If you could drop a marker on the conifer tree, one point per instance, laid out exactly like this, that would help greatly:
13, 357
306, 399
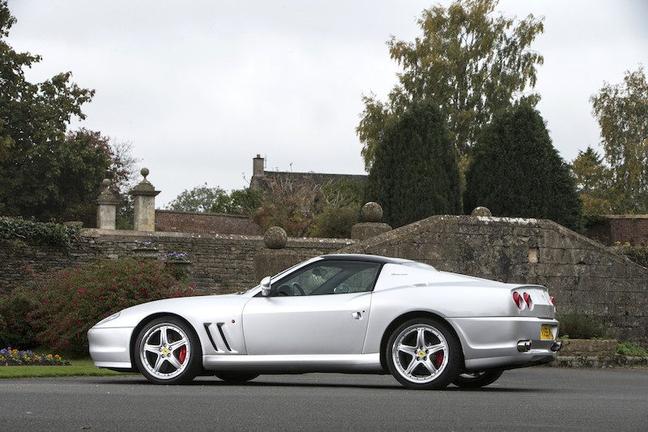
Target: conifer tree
415, 172
517, 172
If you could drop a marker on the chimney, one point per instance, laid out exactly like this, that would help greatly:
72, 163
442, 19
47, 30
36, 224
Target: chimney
258, 169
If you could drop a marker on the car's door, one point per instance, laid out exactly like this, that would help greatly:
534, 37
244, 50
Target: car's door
322, 308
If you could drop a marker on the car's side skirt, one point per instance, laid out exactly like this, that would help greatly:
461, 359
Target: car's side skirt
295, 363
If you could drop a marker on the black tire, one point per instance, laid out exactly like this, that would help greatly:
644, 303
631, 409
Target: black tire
474, 380
191, 364
437, 334
236, 378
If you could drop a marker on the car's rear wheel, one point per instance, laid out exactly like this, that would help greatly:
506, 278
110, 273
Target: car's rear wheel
477, 379
423, 353
236, 378
168, 351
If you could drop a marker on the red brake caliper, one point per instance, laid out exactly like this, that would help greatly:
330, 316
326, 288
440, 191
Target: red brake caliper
438, 359
182, 353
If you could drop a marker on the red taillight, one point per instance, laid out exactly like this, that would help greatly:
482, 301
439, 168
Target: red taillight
517, 299
553, 300
528, 300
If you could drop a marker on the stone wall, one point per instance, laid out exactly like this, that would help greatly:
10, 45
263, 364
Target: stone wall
216, 263
611, 229
582, 274
208, 223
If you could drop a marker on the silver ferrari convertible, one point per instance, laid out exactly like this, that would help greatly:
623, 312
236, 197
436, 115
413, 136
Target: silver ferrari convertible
339, 313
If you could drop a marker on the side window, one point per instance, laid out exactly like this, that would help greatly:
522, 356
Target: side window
329, 277
359, 282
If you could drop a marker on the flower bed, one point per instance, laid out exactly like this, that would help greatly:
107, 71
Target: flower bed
13, 357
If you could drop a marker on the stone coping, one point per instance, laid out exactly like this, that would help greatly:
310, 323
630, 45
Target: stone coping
594, 353
596, 347
599, 361
294, 241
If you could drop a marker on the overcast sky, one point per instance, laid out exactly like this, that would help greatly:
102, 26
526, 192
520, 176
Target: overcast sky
201, 86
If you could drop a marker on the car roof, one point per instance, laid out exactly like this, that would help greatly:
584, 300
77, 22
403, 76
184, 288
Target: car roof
365, 258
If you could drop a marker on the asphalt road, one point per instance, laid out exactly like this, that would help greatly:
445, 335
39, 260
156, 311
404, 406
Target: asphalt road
525, 399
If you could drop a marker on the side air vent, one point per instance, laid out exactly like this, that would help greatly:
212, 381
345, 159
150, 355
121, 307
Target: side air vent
217, 337
209, 335
220, 330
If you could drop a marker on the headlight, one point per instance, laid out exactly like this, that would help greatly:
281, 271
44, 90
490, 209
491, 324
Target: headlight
110, 318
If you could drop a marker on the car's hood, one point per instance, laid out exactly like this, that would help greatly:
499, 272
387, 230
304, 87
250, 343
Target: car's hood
184, 301
184, 306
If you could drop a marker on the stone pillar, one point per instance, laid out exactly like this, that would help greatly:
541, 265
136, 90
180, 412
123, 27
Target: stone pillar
370, 222
107, 206
274, 258
144, 194
258, 169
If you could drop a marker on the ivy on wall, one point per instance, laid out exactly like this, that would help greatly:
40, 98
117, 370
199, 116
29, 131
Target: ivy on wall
43, 233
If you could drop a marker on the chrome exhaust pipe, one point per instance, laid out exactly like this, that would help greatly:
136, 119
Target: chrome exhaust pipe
524, 345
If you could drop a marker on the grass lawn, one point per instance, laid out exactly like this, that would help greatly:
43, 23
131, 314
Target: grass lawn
82, 367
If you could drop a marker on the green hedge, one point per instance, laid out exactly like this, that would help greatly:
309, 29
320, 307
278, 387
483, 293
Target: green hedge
335, 222
15, 329
37, 232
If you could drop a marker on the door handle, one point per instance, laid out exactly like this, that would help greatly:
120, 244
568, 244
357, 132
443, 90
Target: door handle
356, 315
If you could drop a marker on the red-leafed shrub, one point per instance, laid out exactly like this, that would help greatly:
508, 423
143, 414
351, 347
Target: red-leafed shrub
71, 301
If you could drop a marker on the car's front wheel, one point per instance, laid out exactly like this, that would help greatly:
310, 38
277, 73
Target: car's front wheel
477, 379
168, 351
423, 353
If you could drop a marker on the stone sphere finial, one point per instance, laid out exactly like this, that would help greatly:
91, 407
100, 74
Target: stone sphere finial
371, 212
275, 238
144, 172
105, 182
481, 211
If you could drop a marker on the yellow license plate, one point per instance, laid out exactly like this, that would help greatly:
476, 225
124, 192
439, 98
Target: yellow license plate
546, 333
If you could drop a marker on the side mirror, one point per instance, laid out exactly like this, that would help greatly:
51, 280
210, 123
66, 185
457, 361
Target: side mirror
265, 286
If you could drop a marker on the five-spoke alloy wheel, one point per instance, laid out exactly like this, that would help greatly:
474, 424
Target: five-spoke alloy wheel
423, 353
168, 351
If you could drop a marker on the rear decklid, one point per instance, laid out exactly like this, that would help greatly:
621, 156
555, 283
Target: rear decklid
535, 299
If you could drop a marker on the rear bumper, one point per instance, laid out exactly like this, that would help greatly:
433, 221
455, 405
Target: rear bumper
109, 347
492, 342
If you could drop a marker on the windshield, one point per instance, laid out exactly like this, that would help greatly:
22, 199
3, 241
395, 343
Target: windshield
281, 273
